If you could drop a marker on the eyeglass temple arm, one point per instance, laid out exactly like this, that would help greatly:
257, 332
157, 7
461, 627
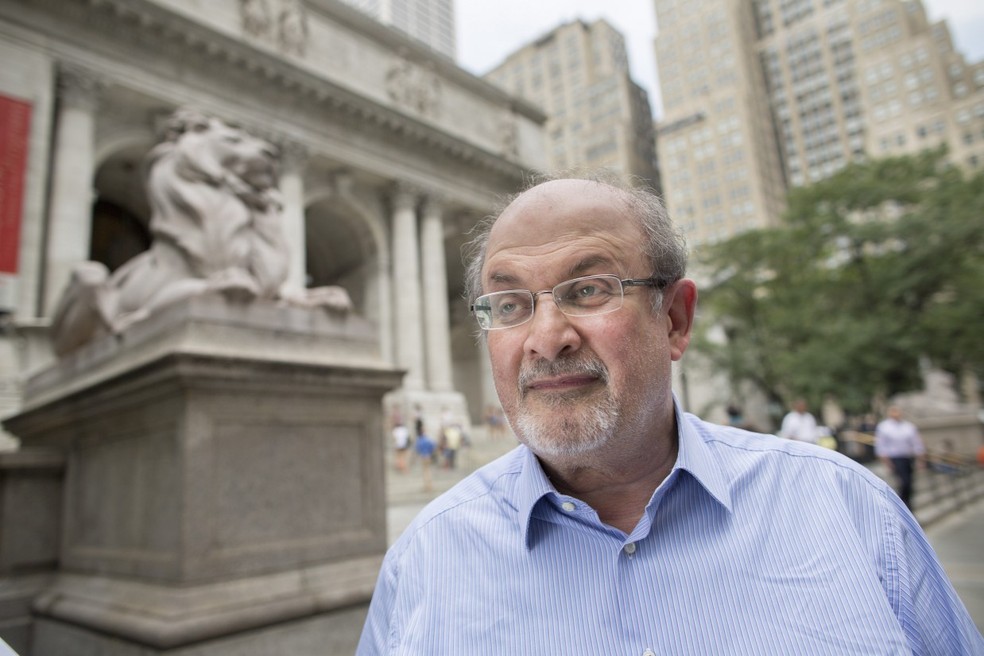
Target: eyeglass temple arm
647, 282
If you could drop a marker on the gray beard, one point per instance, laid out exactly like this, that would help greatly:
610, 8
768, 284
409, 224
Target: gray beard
579, 425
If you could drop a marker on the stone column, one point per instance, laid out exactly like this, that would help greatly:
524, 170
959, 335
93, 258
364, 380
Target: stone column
293, 157
70, 217
435, 283
408, 326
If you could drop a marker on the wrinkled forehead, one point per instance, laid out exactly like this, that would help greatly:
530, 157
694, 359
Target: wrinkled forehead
560, 210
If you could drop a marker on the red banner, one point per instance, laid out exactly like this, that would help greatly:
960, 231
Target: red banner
15, 123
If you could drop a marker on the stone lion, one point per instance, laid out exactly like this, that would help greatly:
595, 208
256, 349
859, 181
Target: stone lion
216, 227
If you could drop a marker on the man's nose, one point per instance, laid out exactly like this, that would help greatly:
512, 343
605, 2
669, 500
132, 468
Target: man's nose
551, 333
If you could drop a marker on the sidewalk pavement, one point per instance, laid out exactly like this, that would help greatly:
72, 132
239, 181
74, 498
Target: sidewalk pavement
959, 543
954, 522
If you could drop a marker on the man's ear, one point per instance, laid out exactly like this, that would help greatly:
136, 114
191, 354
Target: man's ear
680, 302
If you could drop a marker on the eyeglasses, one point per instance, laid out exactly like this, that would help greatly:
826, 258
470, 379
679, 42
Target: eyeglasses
580, 297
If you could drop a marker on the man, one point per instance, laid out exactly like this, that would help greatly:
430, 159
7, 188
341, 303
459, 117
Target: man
899, 446
799, 424
621, 525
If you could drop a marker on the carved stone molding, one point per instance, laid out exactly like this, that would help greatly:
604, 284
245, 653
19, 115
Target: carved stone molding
434, 204
166, 33
292, 28
282, 23
294, 155
405, 196
508, 136
413, 86
79, 87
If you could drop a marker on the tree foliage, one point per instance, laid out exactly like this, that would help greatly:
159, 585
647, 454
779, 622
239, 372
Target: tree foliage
870, 270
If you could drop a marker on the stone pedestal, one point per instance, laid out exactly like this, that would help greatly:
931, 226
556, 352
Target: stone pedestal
224, 474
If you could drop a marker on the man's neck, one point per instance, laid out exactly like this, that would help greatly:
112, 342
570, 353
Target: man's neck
618, 485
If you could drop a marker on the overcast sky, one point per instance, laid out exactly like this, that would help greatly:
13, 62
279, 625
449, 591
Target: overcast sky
488, 30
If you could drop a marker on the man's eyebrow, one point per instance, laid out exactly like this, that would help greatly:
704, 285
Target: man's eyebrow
506, 278
585, 265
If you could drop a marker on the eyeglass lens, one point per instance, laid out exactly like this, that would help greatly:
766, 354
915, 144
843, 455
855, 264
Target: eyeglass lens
583, 296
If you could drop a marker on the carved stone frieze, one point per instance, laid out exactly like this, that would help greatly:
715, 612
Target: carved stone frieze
79, 87
282, 23
508, 137
415, 87
294, 155
405, 196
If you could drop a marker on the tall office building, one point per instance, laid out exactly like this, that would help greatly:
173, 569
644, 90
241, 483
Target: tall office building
764, 95
428, 21
597, 116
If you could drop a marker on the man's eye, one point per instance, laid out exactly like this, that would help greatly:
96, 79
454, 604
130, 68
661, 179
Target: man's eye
506, 308
509, 305
586, 291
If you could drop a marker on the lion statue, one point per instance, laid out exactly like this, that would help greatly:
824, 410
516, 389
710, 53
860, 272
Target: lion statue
216, 227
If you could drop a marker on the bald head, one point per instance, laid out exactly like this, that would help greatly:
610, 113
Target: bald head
557, 209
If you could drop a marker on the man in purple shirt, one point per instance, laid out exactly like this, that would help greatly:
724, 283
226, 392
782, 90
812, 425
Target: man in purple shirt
898, 444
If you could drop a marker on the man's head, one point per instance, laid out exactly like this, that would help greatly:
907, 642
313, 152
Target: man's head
894, 412
799, 405
569, 384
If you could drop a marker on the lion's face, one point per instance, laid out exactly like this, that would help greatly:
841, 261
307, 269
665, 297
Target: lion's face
220, 150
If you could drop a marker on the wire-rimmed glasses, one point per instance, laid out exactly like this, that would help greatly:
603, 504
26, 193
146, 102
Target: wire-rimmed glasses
581, 297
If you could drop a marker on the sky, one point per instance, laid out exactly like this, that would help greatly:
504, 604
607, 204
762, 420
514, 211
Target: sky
488, 30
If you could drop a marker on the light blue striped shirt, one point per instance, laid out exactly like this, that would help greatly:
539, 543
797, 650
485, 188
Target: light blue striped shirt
752, 545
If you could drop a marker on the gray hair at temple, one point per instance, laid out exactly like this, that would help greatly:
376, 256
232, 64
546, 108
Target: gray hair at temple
664, 246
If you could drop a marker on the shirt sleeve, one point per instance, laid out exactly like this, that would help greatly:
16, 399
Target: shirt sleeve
928, 609
378, 627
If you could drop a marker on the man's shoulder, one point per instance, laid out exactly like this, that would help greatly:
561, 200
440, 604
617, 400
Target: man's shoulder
737, 446
485, 488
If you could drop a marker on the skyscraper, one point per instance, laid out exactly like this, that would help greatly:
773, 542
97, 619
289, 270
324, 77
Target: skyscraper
765, 95
428, 21
578, 74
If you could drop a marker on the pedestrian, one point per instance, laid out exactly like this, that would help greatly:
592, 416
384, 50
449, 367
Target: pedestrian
900, 448
424, 447
452, 443
799, 424
418, 419
493, 422
401, 446
621, 524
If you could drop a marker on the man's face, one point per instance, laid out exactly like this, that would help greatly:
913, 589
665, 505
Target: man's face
568, 385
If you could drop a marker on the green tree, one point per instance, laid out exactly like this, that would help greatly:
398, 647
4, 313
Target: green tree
869, 271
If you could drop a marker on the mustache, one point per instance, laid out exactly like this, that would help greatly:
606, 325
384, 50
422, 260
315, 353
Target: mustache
565, 367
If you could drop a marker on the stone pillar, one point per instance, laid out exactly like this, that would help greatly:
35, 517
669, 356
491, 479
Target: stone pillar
408, 326
70, 217
294, 157
435, 284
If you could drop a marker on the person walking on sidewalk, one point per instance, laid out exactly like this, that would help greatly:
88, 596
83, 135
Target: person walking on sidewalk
900, 448
799, 424
425, 447
622, 524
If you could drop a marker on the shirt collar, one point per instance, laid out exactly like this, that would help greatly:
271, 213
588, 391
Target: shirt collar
697, 459
693, 456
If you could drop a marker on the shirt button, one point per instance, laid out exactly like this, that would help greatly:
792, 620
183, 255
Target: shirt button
630, 549
649, 652
568, 506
